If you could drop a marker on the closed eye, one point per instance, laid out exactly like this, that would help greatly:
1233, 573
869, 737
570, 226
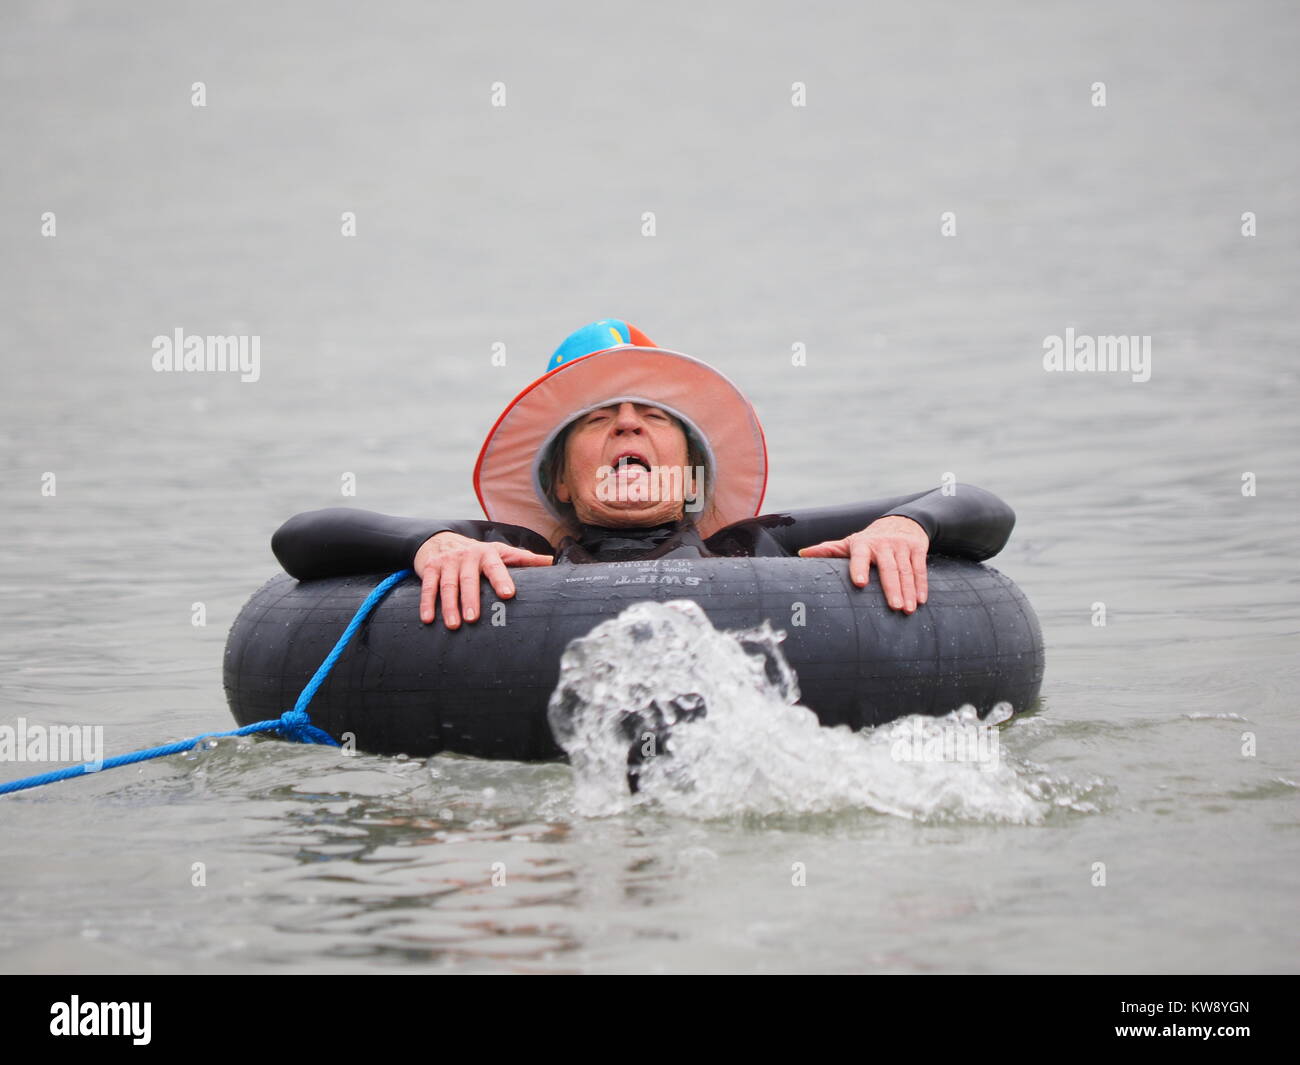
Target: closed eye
600, 415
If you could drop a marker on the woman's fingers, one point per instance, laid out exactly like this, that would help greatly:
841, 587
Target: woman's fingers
448, 589
859, 561
429, 592
918, 568
826, 549
519, 556
471, 570
900, 560
496, 558
906, 580
495, 571
887, 567
454, 577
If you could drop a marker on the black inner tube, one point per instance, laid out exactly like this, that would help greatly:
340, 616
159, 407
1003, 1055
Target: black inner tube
402, 687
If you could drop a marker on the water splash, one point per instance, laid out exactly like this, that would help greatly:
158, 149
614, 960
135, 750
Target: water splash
656, 706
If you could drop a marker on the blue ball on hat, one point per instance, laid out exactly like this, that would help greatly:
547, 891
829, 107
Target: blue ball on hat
607, 333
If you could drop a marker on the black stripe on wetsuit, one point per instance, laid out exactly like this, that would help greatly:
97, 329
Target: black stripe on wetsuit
343, 541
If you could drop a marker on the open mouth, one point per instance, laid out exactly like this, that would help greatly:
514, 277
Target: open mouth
631, 461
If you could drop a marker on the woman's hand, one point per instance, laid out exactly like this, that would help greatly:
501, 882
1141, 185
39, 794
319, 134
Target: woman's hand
453, 564
897, 545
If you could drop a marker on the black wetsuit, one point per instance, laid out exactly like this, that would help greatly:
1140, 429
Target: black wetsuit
343, 541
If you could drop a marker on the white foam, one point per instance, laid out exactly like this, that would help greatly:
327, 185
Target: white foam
754, 749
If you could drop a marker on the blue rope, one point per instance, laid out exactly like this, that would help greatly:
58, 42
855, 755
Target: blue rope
293, 724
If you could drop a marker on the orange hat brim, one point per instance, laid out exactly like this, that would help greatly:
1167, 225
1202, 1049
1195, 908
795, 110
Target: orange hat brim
507, 474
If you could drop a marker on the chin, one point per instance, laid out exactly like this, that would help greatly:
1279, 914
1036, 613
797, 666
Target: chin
629, 516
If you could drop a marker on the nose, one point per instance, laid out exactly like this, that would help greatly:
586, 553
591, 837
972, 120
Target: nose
628, 417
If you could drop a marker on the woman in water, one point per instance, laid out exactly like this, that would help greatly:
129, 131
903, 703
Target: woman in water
621, 451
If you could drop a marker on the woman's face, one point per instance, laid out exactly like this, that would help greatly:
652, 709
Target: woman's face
624, 466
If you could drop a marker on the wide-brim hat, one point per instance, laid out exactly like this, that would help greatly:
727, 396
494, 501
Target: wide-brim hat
508, 474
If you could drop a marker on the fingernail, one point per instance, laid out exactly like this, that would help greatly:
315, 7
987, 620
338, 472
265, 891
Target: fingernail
470, 615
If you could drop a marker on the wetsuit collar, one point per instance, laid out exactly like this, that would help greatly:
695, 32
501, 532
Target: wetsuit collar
598, 543
593, 535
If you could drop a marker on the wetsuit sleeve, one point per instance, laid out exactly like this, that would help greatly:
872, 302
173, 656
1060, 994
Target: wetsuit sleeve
969, 523
345, 541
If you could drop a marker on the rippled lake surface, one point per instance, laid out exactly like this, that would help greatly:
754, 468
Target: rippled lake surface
1165, 744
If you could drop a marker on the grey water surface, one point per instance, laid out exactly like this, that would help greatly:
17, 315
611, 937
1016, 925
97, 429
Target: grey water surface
1164, 752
